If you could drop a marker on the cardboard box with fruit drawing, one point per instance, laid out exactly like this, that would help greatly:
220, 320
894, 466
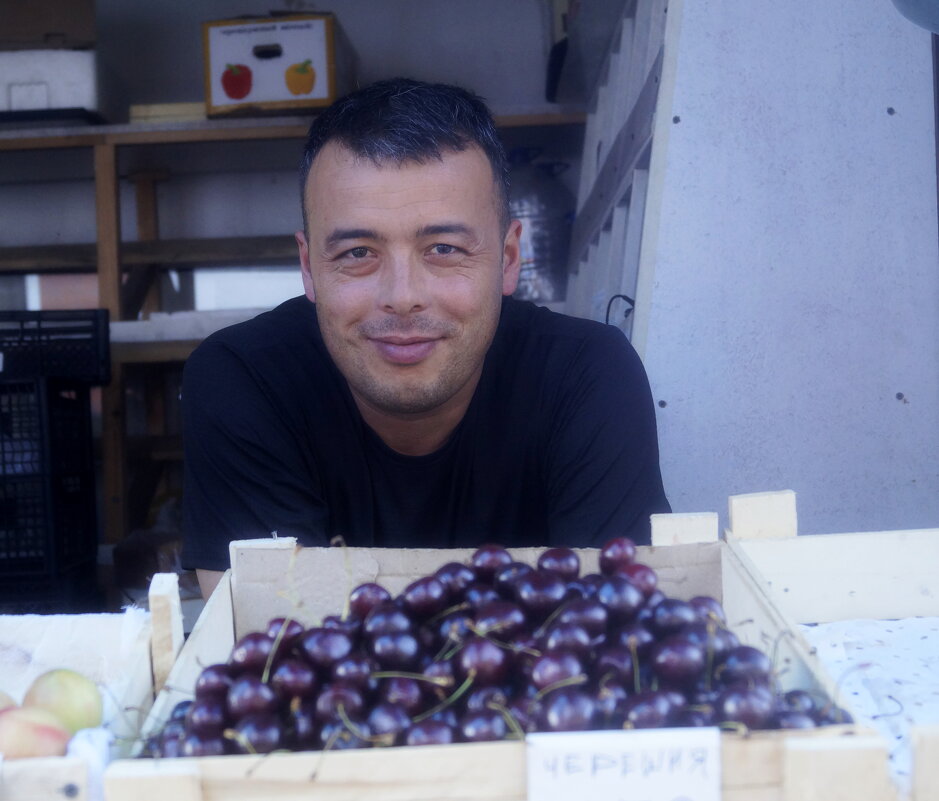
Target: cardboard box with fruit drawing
122, 658
271, 578
275, 64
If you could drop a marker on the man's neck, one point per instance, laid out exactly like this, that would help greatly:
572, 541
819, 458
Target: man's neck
420, 433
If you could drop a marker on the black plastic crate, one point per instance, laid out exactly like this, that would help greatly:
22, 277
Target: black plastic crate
56, 344
48, 519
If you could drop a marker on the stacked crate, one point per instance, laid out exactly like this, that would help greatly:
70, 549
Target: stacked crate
48, 520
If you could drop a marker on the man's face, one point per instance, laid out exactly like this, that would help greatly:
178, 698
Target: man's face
407, 264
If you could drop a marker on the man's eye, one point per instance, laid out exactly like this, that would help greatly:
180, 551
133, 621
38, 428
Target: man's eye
358, 253
443, 250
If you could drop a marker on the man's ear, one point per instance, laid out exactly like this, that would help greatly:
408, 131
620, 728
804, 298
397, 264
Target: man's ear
511, 257
305, 270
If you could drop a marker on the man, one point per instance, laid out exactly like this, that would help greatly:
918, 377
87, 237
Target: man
406, 400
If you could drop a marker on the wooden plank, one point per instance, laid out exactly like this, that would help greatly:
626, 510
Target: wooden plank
683, 529
46, 139
613, 178
925, 763
763, 515
47, 779
166, 618
152, 352
209, 642
879, 575
204, 252
837, 769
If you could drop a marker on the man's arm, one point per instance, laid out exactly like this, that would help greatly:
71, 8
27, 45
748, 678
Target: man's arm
604, 478
246, 475
208, 581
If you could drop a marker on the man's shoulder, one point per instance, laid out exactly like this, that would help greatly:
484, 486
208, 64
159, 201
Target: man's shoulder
527, 325
291, 318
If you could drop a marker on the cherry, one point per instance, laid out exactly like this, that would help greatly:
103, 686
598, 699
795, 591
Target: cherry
562, 561
502, 619
386, 618
214, 681
539, 594
456, 577
751, 706
257, 734
388, 721
477, 594
194, 745
251, 653
621, 598
744, 664
293, 677
506, 577
398, 650
482, 726
338, 695
646, 710
549, 669
337, 736
425, 597
430, 732
356, 669
364, 598
206, 717
671, 615
567, 709
324, 647
571, 637
709, 609
487, 559
179, 711
403, 691
617, 553
643, 576
482, 660
586, 612
248, 695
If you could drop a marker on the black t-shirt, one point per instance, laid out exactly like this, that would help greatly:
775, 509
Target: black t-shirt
558, 445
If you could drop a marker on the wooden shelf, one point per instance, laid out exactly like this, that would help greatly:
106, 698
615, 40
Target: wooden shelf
164, 252
216, 131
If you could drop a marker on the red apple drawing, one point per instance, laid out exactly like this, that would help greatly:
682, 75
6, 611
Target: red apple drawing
236, 81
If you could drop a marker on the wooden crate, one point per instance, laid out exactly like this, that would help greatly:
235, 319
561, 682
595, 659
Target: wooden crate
824, 578
144, 663
274, 577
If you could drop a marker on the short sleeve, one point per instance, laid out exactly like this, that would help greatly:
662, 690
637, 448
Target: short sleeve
603, 469
246, 473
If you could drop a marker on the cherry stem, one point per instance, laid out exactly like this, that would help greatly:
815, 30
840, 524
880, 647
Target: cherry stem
278, 639
634, 650
448, 611
504, 645
440, 681
238, 737
450, 699
570, 681
711, 628
550, 619
509, 718
376, 739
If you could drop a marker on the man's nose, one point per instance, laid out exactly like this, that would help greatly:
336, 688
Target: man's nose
404, 284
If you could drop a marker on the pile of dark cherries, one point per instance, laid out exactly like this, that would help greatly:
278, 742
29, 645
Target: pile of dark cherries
488, 650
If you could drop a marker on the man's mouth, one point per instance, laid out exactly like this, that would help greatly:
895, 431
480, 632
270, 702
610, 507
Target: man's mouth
404, 350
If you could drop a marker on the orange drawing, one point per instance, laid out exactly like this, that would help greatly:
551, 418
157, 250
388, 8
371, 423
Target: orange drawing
300, 78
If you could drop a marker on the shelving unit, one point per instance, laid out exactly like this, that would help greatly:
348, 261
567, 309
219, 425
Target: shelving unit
126, 271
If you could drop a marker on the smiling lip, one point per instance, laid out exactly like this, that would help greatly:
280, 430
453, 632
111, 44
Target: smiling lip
404, 350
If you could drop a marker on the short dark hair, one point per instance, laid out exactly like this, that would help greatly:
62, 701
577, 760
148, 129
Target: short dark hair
403, 120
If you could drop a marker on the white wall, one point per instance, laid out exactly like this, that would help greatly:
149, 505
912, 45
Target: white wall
791, 286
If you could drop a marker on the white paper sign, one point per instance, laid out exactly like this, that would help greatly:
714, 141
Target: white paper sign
638, 765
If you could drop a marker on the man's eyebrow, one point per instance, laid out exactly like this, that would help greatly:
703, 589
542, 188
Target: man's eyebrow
344, 234
445, 228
